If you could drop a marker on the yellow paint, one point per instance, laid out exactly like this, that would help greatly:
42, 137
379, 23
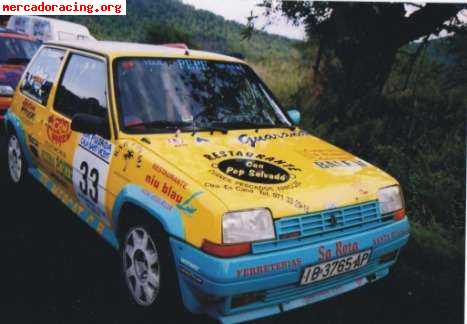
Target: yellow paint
314, 175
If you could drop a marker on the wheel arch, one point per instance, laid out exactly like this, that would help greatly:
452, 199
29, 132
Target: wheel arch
133, 198
13, 124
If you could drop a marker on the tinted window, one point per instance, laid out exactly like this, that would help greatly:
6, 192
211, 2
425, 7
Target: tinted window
16, 50
41, 30
41, 75
161, 93
83, 88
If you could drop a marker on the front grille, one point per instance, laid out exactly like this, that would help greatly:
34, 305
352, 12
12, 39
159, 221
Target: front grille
331, 223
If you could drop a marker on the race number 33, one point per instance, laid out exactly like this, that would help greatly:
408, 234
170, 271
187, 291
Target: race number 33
90, 171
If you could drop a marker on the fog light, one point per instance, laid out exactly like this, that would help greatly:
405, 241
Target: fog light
388, 257
249, 298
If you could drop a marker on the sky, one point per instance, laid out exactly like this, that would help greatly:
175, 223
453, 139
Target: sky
239, 10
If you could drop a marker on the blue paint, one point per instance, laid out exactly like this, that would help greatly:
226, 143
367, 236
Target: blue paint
221, 276
186, 206
171, 219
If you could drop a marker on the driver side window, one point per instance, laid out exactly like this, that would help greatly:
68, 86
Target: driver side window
83, 88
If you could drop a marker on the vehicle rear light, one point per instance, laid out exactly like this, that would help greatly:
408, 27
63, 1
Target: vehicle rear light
226, 250
399, 215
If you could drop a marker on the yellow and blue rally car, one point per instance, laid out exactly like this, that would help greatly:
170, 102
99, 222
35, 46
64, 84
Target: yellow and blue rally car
186, 163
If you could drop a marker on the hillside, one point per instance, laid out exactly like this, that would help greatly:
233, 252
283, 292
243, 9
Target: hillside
212, 32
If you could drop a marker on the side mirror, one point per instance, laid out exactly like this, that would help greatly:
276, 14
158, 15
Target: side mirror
294, 116
90, 124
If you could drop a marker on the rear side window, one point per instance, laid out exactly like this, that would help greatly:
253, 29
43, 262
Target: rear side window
41, 75
83, 88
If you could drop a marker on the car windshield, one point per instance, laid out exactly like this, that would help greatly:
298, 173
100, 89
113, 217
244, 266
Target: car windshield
17, 50
185, 94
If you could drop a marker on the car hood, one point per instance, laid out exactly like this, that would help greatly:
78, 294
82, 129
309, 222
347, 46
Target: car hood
10, 74
288, 171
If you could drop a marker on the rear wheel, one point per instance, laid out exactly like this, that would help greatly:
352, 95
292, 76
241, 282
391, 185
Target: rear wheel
148, 267
15, 162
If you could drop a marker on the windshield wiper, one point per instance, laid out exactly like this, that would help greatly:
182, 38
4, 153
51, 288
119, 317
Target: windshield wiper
160, 124
210, 128
213, 129
256, 126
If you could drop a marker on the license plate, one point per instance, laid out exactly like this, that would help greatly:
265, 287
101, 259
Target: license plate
334, 267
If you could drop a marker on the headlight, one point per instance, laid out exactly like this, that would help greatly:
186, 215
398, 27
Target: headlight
6, 91
247, 226
390, 199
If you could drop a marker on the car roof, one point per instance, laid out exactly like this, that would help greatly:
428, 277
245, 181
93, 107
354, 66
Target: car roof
5, 32
122, 49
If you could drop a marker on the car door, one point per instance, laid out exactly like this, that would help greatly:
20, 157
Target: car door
33, 104
86, 160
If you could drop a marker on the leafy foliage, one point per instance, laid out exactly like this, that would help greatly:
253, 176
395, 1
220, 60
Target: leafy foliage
205, 29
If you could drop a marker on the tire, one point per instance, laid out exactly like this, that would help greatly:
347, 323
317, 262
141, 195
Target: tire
15, 163
148, 269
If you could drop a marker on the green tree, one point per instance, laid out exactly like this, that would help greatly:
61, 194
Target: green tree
157, 33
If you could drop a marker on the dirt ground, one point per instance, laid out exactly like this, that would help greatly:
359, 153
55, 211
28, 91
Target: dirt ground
55, 269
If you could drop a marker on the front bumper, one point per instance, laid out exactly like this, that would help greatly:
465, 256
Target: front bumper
210, 284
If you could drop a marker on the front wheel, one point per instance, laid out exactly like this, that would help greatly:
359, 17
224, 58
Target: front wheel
148, 268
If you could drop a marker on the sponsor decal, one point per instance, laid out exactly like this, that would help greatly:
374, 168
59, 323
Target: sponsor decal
201, 140
131, 153
340, 164
58, 130
48, 158
341, 249
214, 156
176, 140
252, 140
33, 140
73, 204
255, 171
286, 265
327, 154
333, 158
157, 200
160, 170
97, 146
190, 275
253, 167
28, 110
64, 169
189, 264
386, 237
273, 193
166, 189
187, 207
91, 163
